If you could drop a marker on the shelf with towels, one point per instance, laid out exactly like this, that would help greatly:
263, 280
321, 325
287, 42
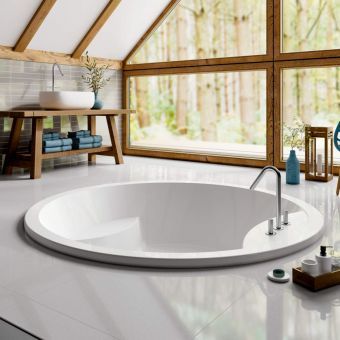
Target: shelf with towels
33, 160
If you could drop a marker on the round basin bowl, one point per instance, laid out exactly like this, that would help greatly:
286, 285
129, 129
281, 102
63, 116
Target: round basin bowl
170, 224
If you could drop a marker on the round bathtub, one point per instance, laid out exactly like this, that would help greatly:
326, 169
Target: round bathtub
170, 224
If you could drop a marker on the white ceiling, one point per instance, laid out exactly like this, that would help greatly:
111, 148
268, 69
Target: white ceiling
65, 25
69, 20
125, 27
14, 16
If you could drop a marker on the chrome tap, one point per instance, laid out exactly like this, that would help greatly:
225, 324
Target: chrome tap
61, 72
278, 190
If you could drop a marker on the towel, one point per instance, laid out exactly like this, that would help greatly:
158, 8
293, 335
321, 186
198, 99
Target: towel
57, 142
51, 135
80, 133
87, 146
87, 140
57, 149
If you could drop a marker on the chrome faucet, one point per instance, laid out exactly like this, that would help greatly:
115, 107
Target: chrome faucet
278, 190
61, 72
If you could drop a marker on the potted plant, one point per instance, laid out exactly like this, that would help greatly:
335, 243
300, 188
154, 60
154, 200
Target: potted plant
95, 78
294, 137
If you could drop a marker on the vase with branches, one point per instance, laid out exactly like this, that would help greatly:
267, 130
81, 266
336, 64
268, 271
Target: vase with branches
95, 78
294, 137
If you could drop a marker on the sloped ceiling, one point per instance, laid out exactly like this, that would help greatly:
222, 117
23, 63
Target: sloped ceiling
125, 27
14, 16
66, 24
69, 20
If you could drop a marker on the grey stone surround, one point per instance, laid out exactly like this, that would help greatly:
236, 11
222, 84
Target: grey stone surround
20, 83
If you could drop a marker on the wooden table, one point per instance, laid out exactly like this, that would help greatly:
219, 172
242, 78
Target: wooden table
33, 160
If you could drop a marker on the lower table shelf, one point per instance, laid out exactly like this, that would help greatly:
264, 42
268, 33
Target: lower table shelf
101, 150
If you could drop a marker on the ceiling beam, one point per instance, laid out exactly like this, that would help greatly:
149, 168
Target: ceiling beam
53, 57
97, 25
167, 10
34, 24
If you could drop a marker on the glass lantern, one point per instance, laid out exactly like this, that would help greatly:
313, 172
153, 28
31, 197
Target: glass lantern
319, 153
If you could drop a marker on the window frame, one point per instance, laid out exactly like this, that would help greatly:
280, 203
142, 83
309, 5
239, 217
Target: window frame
278, 69
282, 56
273, 62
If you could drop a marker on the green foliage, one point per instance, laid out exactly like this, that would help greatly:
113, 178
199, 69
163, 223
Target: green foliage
95, 77
194, 123
294, 136
163, 109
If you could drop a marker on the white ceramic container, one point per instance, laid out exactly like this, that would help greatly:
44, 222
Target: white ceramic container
170, 224
66, 100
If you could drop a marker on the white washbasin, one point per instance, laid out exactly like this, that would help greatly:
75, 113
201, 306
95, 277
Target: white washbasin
66, 100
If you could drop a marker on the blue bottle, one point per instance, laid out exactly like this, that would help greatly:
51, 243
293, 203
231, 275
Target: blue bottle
292, 169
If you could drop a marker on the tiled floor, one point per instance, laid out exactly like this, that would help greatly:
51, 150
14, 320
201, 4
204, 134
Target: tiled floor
59, 297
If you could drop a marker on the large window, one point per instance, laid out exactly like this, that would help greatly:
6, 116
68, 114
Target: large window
311, 95
199, 29
218, 113
223, 78
310, 25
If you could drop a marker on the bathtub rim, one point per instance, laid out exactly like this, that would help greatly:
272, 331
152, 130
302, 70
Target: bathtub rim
35, 230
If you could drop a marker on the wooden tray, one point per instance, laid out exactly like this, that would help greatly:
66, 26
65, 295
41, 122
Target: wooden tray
318, 282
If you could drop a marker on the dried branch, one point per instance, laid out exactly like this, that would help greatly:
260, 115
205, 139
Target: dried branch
95, 77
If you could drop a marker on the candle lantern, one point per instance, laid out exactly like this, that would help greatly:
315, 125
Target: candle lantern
319, 153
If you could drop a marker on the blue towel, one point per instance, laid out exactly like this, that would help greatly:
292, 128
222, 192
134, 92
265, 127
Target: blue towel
87, 140
51, 135
57, 149
57, 142
80, 133
87, 146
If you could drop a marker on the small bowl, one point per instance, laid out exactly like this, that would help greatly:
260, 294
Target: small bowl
278, 273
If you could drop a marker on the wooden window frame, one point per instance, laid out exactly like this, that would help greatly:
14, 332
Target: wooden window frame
268, 56
279, 66
281, 56
273, 62
198, 156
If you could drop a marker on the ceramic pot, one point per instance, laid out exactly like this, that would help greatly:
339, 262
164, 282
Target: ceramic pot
98, 104
292, 169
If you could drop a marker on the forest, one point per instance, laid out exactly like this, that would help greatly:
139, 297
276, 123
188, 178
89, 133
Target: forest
225, 112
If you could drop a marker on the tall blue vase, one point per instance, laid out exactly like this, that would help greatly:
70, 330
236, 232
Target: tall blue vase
98, 104
292, 169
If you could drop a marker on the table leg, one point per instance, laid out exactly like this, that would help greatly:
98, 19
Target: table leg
91, 125
338, 186
111, 124
13, 144
36, 154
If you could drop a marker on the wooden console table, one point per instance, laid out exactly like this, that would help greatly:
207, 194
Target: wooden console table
33, 160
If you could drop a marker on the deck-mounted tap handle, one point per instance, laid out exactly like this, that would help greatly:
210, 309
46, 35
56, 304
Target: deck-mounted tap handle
285, 217
270, 227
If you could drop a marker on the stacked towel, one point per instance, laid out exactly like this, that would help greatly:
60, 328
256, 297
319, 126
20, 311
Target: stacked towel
57, 148
87, 146
51, 135
52, 142
80, 133
83, 140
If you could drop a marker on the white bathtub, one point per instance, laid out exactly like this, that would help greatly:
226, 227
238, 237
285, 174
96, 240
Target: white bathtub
174, 225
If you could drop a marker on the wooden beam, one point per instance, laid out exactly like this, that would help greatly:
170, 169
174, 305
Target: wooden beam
53, 57
97, 25
167, 10
34, 24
